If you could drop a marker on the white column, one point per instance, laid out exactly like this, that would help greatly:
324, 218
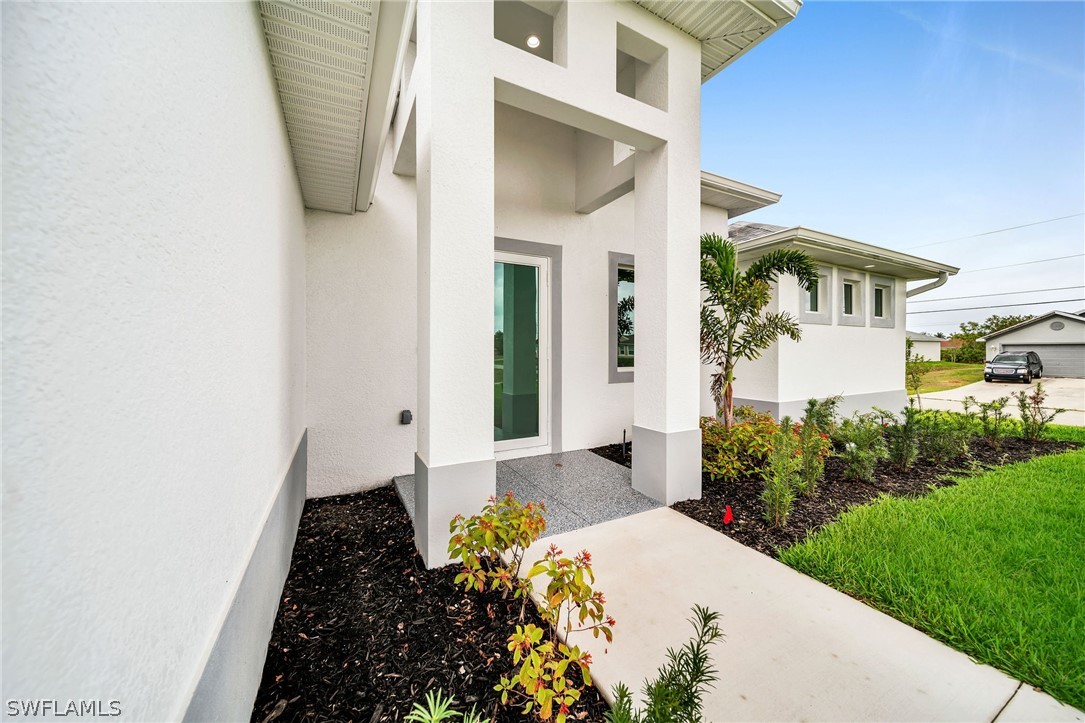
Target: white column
454, 465
666, 428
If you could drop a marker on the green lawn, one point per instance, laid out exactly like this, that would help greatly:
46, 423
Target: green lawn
949, 375
994, 566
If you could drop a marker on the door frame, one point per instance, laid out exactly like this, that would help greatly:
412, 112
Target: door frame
552, 254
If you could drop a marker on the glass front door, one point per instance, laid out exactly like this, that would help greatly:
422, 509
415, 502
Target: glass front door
521, 351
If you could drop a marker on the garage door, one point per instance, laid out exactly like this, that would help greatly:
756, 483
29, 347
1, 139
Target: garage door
1060, 360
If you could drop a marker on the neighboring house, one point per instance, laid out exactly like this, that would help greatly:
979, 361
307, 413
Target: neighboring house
852, 323
1058, 337
199, 330
925, 345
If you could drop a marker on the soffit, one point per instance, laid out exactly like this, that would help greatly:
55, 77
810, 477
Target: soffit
726, 28
321, 57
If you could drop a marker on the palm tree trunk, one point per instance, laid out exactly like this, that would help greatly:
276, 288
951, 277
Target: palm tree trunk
728, 403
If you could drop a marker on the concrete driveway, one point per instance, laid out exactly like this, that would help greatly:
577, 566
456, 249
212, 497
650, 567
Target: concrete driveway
1062, 393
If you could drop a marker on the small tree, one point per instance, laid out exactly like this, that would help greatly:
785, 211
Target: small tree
733, 323
915, 368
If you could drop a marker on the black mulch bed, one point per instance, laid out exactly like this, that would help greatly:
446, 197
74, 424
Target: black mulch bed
834, 494
364, 630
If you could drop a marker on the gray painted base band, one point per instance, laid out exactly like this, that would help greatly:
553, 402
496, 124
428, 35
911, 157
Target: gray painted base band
667, 465
441, 493
894, 401
231, 678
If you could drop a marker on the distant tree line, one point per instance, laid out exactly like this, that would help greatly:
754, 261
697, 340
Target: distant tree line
972, 351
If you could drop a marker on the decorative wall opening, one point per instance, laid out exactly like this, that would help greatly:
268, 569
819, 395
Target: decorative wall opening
640, 69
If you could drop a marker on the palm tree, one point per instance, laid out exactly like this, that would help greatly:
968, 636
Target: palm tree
733, 325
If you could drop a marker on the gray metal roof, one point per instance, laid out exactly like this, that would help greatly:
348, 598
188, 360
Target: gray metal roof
920, 336
742, 231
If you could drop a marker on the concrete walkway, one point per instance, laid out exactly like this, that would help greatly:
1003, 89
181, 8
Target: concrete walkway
1062, 393
795, 649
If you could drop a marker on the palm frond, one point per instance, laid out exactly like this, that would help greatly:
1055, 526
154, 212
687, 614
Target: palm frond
781, 262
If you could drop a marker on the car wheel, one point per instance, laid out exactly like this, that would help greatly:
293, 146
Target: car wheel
1040, 373
987, 379
1028, 378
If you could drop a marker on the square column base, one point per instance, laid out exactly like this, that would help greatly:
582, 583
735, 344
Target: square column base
441, 493
667, 465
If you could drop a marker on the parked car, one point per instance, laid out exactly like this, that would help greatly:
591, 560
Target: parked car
1019, 366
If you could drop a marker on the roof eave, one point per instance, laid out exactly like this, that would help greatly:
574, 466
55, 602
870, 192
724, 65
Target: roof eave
817, 239
1048, 315
738, 197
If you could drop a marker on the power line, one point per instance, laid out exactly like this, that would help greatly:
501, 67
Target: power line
1000, 230
1003, 293
1023, 263
996, 306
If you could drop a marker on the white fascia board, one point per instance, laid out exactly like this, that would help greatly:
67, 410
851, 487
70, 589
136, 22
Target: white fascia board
818, 240
392, 35
741, 197
1030, 322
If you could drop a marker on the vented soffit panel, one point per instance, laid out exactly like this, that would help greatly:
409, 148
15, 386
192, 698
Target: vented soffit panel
321, 56
726, 28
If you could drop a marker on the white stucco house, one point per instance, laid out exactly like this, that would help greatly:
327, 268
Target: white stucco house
240, 240
927, 346
852, 323
1058, 337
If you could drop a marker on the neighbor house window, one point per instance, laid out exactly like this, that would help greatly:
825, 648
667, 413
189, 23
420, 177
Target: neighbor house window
622, 329
815, 303
851, 300
882, 302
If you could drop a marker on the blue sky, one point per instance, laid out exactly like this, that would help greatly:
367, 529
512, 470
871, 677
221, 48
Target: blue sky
905, 124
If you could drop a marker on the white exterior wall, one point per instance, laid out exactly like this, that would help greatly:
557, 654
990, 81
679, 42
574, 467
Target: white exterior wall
153, 342
535, 188
929, 350
1073, 332
865, 363
362, 343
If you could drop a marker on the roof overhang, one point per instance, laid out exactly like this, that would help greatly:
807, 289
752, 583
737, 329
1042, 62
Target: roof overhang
727, 29
735, 197
1051, 314
336, 65
841, 251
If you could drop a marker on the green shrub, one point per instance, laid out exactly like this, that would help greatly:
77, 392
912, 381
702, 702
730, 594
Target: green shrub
994, 421
783, 466
438, 709
675, 696
1034, 417
738, 452
901, 436
504, 526
814, 446
943, 436
543, 680
822, 414
861, 445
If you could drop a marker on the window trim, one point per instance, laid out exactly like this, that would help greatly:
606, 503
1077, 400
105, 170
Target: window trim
616, 374
858, 315
824, 314
889, 301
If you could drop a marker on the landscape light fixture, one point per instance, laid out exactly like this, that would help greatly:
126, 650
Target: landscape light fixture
533, 41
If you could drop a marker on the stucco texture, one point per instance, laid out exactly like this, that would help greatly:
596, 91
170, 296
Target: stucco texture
153, 329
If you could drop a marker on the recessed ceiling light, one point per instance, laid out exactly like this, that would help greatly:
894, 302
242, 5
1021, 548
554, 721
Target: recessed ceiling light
869, 266
533, 41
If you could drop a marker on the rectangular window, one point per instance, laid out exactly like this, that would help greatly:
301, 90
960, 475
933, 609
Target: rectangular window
625, 300
882, 296
622, 329
849, 298
879, 302
812, 298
